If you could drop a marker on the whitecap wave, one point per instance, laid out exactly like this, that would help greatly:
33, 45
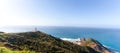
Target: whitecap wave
117, 52
78, 39
110, 48
71, 39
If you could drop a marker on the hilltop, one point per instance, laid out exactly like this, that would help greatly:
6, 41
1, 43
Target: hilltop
41, 42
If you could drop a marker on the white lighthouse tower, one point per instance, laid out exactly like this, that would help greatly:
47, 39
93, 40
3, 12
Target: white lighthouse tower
35, 29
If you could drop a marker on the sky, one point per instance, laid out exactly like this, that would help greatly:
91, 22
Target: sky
80, 13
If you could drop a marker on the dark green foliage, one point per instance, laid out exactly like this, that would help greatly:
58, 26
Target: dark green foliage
41, 42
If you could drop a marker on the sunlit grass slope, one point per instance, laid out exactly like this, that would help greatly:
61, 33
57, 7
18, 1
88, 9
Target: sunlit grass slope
6, 50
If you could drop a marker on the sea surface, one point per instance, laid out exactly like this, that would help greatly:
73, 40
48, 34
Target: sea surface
106, 36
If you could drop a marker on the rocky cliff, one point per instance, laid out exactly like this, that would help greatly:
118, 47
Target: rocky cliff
93, 44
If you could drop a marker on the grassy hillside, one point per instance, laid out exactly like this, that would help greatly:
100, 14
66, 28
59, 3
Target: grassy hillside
40, 42
6, 50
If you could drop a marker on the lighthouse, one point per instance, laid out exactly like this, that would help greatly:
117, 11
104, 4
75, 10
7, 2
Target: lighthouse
35, 29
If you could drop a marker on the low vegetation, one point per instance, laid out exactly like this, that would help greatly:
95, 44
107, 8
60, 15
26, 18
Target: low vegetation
6, 50
40, 43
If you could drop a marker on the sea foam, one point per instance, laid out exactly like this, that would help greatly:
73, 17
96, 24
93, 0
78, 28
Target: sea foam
78, 39
70, 39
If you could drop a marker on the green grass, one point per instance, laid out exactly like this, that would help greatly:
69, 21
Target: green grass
5, 50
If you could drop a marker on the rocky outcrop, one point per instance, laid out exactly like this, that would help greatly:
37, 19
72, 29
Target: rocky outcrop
93, 44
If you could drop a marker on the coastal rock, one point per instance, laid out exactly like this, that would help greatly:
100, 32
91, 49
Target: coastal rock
93, 44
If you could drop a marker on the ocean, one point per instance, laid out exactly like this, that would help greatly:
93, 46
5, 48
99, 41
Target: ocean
106, 36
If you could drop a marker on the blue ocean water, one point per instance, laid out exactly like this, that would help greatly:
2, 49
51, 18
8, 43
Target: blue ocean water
108, 37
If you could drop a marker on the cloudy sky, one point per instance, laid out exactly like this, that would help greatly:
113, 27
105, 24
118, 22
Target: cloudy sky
80, 13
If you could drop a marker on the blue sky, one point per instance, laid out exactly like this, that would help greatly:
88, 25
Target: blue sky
80, 13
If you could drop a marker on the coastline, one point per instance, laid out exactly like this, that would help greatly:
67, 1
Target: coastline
78, 39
